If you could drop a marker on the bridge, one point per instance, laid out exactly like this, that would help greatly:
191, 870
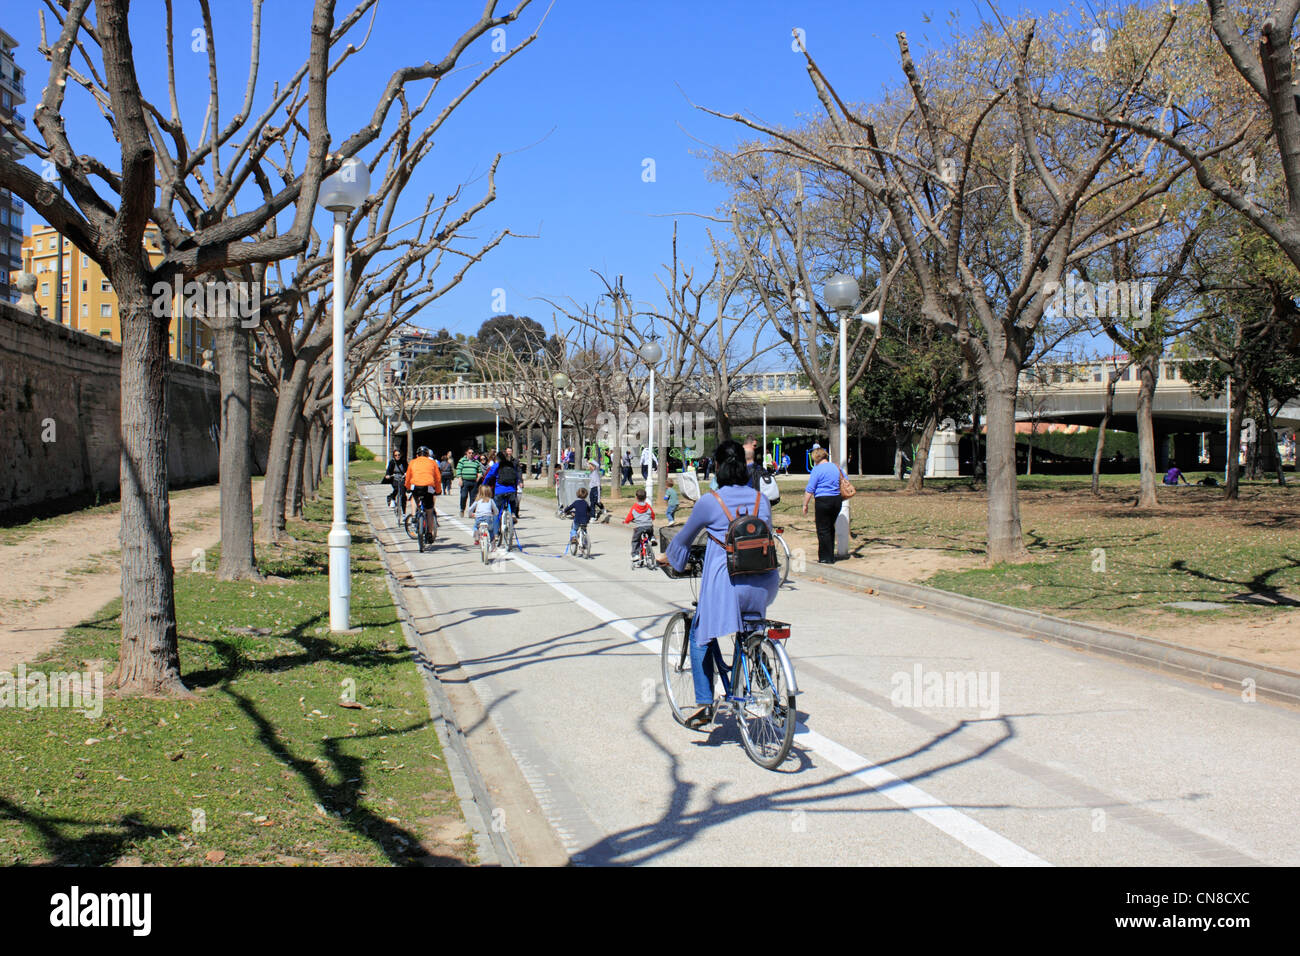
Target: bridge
457, 411
1067, 394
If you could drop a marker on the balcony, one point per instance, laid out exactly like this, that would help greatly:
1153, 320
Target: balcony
15, 86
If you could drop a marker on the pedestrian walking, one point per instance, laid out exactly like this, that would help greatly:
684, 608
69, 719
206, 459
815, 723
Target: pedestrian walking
824, 490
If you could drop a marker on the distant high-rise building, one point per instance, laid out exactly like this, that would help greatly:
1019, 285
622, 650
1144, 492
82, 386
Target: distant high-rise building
12, 95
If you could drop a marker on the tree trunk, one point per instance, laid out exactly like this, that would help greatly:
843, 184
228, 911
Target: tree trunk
288, 409
1111, 381
149, 658
323, 432
238, 560
1270, 438
1005, 537
917, 481
1146, 371
297, 476
1234, 448
900, 452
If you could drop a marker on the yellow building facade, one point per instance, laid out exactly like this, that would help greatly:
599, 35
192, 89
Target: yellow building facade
89, 301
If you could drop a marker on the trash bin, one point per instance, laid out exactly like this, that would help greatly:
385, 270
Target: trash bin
566, 492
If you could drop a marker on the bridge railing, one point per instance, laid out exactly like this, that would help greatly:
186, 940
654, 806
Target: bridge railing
746, 384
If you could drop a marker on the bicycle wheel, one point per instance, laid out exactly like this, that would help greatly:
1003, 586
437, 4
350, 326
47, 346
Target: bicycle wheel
419, 528
783, 559
433, 526
484, 545
586, 544
766, 714
408, 522
508, 529
675, 663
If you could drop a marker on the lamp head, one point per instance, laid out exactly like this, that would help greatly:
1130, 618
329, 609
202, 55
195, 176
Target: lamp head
347, 188
560, 380
651, 352
842, 292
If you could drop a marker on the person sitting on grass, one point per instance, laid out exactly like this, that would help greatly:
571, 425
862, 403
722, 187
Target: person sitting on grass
673, 500
484, 511
1173, 474
642, 519
581, 512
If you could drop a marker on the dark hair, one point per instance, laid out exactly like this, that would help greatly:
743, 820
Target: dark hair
730, 460
501, 458
640, 494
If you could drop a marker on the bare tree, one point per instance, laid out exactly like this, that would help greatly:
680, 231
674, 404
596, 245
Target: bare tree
991, 199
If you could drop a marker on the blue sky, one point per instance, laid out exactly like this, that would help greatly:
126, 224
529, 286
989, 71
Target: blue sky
602, 89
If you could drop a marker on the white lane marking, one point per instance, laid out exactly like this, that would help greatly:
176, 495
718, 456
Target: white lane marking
970, 833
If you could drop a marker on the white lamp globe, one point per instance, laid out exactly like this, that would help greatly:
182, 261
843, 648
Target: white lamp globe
347, 188
841, 292
651, 352
560, 380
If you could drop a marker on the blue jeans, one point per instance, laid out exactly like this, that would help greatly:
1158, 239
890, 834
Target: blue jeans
703, 661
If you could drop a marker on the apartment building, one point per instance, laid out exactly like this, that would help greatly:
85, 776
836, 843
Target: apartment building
89, 301
12, 95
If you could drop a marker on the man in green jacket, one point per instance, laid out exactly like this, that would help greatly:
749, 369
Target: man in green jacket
469, 471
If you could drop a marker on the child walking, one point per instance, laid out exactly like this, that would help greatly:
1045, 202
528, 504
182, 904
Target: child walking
673, 500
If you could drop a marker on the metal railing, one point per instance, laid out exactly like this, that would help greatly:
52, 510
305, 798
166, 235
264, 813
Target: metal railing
751, 383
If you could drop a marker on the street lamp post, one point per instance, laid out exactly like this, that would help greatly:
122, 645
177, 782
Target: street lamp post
341, 193
561, 382
651, 352
496, 433
762, 400
389, 412
842, 295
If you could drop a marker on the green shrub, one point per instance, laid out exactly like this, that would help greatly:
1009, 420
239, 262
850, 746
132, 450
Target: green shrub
361, 453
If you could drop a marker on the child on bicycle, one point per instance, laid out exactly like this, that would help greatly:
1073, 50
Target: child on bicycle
581, 511
484, 511
642, 519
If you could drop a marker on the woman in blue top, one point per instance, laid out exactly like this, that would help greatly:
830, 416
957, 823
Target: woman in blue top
824, 489
723, 600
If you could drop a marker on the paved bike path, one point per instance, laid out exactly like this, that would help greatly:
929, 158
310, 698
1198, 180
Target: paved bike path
1085, 761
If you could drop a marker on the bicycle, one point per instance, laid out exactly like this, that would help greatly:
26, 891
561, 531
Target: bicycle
483, 539
582, 542
759, 687
420, 533
783, 555
508, 527
645, 555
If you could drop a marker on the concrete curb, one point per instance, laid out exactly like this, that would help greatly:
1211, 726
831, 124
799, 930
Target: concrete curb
493, 848
1272, 682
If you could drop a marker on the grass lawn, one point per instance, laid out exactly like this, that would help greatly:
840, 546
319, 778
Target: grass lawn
1096, 558
298, 747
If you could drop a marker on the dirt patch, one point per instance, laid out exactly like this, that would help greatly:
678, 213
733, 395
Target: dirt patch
61, 577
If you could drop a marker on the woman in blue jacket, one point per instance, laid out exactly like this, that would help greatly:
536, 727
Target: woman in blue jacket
824, 491
724, 600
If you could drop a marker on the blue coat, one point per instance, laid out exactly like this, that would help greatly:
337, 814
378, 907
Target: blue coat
722, 600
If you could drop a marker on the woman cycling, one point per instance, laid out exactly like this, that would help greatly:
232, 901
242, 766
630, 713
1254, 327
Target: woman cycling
724, 600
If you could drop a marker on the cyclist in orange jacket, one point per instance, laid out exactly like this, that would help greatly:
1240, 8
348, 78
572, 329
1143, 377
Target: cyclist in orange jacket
423, 478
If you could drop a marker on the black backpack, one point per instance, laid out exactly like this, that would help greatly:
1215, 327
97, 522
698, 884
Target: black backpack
749, 544
507, 475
